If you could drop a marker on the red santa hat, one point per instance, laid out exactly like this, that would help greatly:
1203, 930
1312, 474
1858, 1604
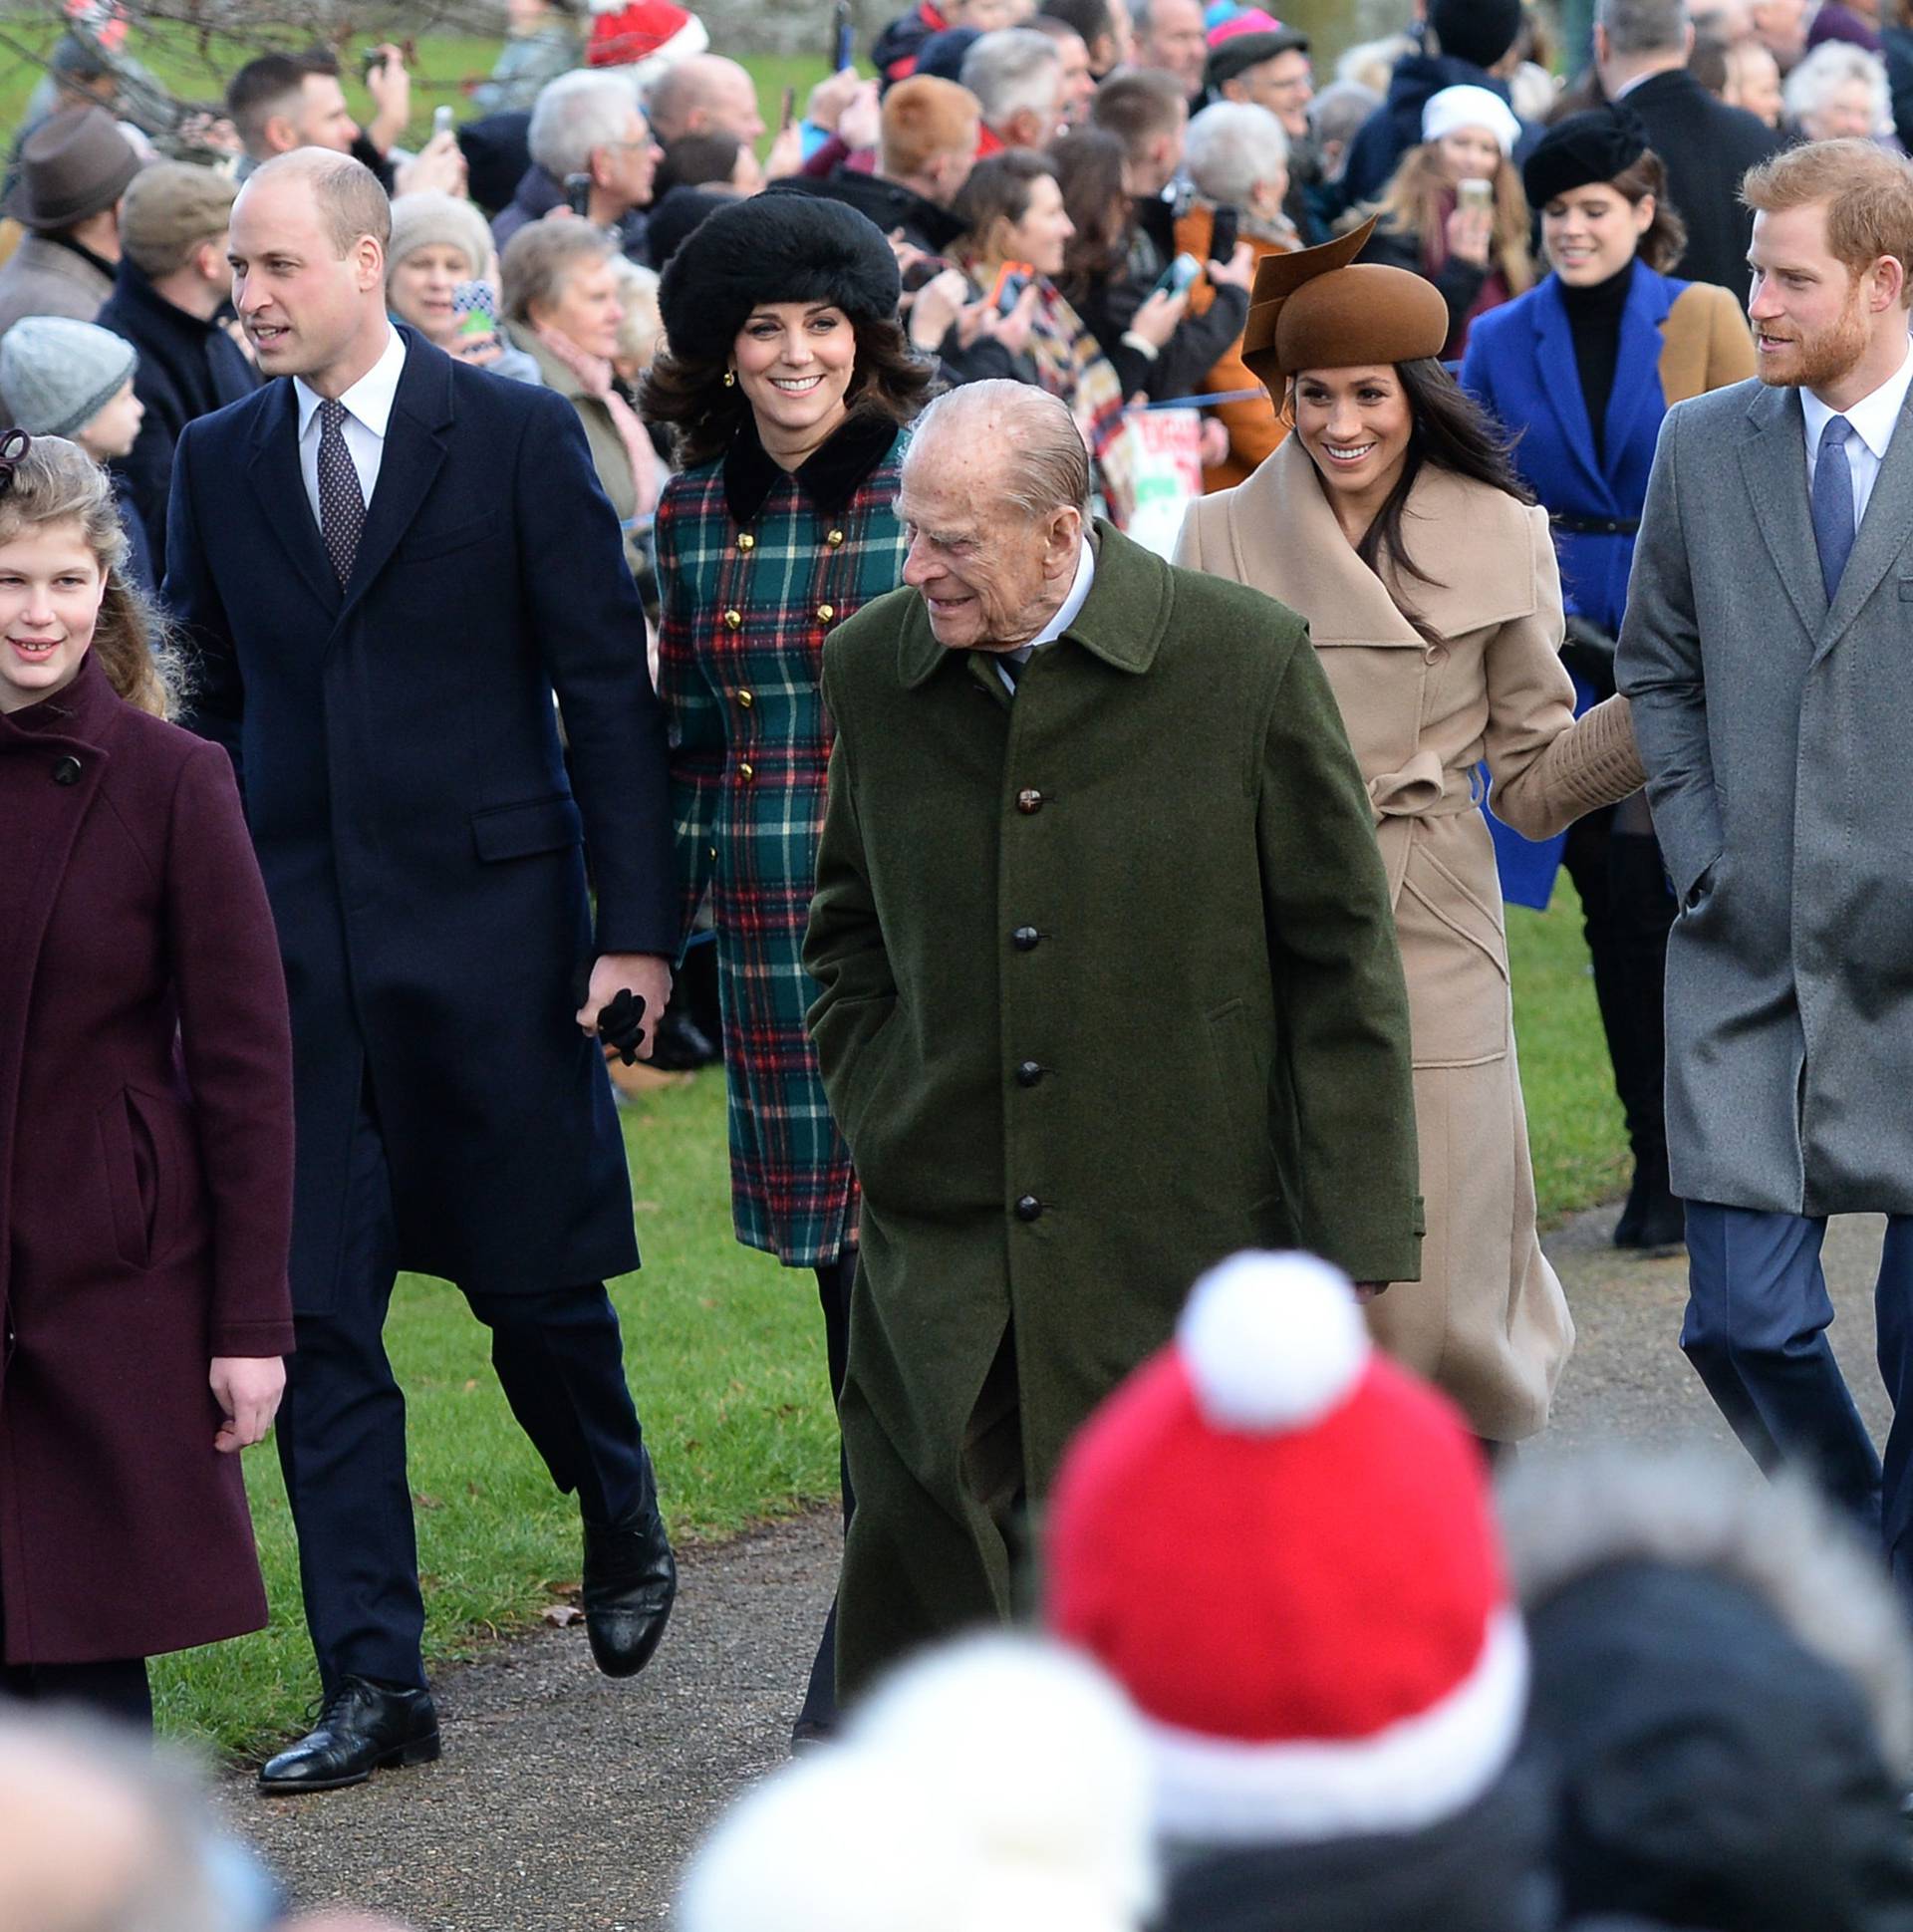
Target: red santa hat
635, 33
1283, 1548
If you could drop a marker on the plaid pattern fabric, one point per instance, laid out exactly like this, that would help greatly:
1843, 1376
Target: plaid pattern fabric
750, 753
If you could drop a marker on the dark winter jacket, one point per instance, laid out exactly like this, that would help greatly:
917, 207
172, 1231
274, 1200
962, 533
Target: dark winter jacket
889, 203
187, 368
1710, 1770
895, 54
1396, 126
1482, 1871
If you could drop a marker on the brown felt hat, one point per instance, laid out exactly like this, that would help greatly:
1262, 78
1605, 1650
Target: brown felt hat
1318, 308
76, 164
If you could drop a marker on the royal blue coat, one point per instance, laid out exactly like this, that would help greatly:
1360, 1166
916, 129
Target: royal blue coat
423, 836
1674, 336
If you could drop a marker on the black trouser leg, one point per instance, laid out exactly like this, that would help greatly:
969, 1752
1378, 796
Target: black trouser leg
115, 1689
561, 1362
834, 1281
342, 1448
1642, 909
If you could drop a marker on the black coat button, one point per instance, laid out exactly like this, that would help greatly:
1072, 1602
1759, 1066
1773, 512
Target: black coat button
1029, 1074
66, 772
1030, 1207
1024, 938
1030, 801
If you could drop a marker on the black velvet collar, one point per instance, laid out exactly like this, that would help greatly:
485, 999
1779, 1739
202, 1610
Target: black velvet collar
829, 478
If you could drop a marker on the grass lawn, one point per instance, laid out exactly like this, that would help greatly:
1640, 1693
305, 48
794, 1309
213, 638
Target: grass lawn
726, 1356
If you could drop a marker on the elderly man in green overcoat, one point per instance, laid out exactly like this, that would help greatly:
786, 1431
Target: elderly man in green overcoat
1110, 990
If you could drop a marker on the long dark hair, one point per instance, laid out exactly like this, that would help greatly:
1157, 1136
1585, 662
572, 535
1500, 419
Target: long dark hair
1089, 170
687, 391
1449, 430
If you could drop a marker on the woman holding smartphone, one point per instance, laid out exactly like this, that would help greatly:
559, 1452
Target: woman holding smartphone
1454, 211
1392, 519
145, 1126
788, 383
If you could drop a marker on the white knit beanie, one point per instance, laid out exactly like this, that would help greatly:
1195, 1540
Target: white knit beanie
56, 375
426, 218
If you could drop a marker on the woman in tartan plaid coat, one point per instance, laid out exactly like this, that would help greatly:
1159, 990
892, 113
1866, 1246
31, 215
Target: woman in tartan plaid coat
789, 381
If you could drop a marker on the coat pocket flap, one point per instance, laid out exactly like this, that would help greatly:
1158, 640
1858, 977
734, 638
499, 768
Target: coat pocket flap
517, 831
436, 540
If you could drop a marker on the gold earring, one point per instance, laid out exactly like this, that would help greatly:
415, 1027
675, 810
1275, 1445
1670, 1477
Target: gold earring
731, 379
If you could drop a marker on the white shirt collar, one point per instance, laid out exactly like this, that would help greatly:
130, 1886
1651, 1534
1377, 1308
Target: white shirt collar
1872, 416
1072, 605
369, 399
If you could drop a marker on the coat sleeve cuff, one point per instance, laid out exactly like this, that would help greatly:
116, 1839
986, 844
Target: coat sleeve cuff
254, 1338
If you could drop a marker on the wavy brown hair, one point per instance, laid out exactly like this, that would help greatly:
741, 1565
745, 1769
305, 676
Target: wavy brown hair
687, 391
56, 481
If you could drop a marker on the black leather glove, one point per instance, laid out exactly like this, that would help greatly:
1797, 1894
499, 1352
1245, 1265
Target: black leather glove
1589, 653
621, 1023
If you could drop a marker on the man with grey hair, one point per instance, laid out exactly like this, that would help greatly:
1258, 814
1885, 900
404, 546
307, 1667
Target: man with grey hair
587, 123
1016, 75
1640, 52
1109, 989
389, 564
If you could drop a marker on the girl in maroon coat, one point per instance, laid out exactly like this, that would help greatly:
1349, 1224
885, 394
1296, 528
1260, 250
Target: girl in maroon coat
145, 1126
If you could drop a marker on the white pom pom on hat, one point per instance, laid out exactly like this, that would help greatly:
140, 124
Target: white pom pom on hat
1272, 1341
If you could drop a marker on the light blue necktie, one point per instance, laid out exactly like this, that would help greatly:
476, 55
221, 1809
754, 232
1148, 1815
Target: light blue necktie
1833, 502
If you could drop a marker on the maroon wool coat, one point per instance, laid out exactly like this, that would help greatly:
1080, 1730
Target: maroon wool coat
145, 1178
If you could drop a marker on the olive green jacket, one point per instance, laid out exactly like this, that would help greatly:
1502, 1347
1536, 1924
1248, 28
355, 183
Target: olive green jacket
1110, 990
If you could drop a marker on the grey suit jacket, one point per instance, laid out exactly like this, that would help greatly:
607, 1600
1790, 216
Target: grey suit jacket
42, 278
1775, 735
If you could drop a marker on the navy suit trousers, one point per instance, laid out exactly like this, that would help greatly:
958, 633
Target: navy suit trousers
1755, 1330
559, 1358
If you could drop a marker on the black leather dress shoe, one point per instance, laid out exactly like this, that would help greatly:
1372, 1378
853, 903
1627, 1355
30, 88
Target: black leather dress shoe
1654, 1220
631, 1582
363, 1726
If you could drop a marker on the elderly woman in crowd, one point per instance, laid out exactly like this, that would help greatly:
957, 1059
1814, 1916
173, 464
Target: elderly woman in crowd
1581, 372
1236, 157
641, 329
1839, 93
1392, 519
1454, 211
439, 246
1017, 230
787, 380
562, 308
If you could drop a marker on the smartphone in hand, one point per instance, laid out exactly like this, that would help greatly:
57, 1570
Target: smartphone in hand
1007, 290
443, 119
788, 117
1178, 277
578, 195
1224, 234
475, 304
842, 52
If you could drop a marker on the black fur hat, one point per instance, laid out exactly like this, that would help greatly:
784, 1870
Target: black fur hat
774, 247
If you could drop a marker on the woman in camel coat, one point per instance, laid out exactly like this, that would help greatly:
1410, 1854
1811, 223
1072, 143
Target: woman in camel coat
1432, 592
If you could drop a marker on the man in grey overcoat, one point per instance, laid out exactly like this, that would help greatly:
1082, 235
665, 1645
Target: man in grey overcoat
1768, 653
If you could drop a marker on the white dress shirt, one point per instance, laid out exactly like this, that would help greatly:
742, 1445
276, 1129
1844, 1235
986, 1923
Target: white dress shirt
1066, 615
368, 410
1873, 417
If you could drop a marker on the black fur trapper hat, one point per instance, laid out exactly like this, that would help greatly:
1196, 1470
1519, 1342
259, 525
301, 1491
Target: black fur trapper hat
774, 247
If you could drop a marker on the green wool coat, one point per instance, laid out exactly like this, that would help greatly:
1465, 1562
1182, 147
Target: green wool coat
1110, 990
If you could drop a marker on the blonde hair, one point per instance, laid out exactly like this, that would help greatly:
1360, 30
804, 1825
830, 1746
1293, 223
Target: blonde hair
56, 481
1412, 204
642, 328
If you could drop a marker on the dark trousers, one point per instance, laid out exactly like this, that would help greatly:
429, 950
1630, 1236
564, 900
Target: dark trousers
1627, 910
116, 1688
1755, 1330
834, 1282
341, 1432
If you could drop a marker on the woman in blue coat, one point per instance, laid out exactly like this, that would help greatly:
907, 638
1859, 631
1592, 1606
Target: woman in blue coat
1581, 371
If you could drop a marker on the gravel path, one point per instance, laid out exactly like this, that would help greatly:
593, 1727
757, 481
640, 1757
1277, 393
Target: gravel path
566, 1803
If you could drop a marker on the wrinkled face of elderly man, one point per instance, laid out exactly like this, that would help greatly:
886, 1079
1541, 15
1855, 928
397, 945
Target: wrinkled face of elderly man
992, 568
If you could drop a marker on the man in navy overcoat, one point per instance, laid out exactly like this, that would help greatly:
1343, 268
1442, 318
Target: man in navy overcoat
389, 563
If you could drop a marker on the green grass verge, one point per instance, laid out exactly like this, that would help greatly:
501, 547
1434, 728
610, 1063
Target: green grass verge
725, 1351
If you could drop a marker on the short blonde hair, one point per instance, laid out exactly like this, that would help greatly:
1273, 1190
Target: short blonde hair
1869, 194
541, 256
643, 328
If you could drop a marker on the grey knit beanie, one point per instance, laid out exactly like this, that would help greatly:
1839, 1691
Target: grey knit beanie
56, 375
419, 220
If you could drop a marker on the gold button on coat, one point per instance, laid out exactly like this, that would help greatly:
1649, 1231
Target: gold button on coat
746, 699
733, 620
834, 538
825, 612
746, 772
746, 542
